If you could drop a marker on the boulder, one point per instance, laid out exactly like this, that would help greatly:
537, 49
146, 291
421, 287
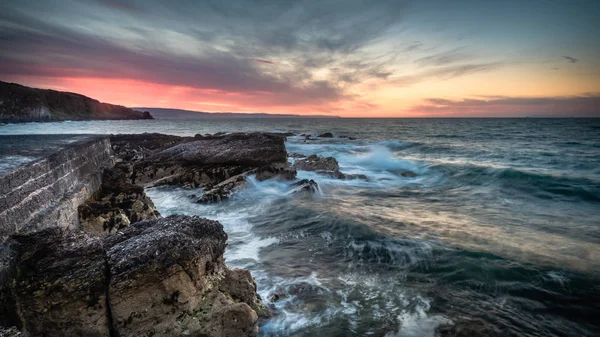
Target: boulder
245, 149
317, 163
326, 135
160, 277
168, 277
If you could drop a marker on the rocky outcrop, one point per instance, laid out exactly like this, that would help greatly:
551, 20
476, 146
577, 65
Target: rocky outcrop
317, 163
161, 277
326, 135
252, 150
327, 166
47, 192
23, 104
117, 204
219, 164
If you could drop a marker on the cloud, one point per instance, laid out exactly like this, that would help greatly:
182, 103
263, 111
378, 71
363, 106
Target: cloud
444, 58
587, 105
204, 44
571, 59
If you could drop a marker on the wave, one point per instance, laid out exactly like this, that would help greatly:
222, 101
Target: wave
543, 185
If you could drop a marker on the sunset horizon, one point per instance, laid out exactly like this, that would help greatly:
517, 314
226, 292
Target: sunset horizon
348, 59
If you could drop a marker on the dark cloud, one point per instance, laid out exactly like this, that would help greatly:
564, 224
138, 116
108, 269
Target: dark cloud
587, 105
221, 46
571, 59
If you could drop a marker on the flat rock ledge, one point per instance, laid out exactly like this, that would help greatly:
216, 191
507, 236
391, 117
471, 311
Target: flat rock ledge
159, 277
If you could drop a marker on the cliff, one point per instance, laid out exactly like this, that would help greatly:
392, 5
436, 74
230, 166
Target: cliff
24, 104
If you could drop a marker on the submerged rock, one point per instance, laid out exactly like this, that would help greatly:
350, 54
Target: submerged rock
404, 173
161, 277
305, 185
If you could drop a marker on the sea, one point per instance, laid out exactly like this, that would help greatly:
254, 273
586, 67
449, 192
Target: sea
498, 234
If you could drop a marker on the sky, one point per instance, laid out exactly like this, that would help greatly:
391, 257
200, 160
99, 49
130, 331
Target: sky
352, 58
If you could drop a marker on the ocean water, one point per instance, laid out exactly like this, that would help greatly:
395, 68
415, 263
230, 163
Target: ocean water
498, 234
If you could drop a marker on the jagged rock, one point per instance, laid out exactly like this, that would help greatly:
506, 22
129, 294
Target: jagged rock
116, 205
326, 135
168, 276
304, 185
223, 191
60, 287
282, 171
317, 163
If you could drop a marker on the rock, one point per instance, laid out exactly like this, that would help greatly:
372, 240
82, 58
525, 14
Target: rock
223, 191
308, 137
351, 138
305, 185
168, 277
317, 163
326, 135
162, 277
136, 147
116, 205
343, 176
60, 288
276, 171
276, 297
245, 149
8, 271
296, 155
405, 173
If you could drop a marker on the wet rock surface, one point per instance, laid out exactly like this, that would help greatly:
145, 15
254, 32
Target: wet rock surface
307, 186
317, 163
327, 166
160, 277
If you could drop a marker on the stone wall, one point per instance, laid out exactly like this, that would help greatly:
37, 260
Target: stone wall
48, 191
